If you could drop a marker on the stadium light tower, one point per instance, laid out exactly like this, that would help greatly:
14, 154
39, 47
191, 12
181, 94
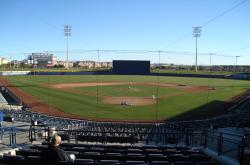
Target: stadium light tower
67, 33
236, 63
196, 34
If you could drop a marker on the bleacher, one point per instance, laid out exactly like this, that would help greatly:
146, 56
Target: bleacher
101, 154
137, 143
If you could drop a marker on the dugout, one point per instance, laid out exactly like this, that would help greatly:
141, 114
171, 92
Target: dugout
131, 67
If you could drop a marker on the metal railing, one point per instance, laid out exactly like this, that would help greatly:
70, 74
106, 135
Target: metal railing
13, 136
226, 144
222, 143
8, 134
192, 139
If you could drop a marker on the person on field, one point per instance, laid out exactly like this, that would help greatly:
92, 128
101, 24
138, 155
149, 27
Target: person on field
54, 153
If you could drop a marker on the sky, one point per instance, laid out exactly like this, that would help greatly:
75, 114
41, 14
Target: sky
29, 26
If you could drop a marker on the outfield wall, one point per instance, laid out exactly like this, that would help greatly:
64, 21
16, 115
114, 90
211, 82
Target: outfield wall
13, 73
131, 67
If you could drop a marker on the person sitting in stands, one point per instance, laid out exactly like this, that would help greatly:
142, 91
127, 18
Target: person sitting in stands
53, 153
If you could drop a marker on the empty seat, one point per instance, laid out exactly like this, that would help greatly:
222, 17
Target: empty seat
77, 162
199, 157
135, 162
89, 138
156, 157
114, 151
149, 147
111, 147
28, 152
108, 162
184, 163
70, 145
96, 149
13, 159
36, 160
152, 151
84, 161
133, 147
177, 157
209, 162
159, 163
79, 149
169, 151
64, 163
134, 150
113, 156
90, 155
190, 151
134, 156
39, 147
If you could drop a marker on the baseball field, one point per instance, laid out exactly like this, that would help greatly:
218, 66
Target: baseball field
127, 98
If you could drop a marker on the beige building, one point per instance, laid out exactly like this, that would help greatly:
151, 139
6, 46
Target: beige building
4, 61
64, 63
93, 64
86, 64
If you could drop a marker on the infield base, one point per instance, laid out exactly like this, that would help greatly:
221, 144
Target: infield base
129, 100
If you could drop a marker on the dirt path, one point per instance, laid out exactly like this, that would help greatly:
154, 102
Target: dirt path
70, 85
189, 88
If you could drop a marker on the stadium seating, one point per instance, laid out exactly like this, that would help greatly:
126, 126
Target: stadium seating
124, 155
117, 143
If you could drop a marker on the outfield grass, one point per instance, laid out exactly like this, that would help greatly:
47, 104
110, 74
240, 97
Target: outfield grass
173, 102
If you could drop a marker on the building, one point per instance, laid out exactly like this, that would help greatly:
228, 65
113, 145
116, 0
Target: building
64, 63
15, 63
3, 61
104, 65
85, 64
93, 64
42, 60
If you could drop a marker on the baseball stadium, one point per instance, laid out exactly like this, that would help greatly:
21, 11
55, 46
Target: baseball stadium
132, 106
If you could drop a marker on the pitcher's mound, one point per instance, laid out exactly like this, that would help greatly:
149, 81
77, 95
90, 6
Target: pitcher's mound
133, 101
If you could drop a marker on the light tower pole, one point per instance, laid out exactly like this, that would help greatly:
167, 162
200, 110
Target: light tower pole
236, 63
196, 34
67, 33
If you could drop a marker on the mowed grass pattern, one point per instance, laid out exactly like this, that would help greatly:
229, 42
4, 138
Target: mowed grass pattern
173, 102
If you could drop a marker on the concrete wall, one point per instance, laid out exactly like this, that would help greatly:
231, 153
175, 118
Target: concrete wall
12, 73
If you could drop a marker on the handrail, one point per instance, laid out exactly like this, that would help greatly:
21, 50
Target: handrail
226, 133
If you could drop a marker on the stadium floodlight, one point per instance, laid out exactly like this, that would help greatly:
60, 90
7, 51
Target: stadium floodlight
10, 62
196, 34
67, 33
